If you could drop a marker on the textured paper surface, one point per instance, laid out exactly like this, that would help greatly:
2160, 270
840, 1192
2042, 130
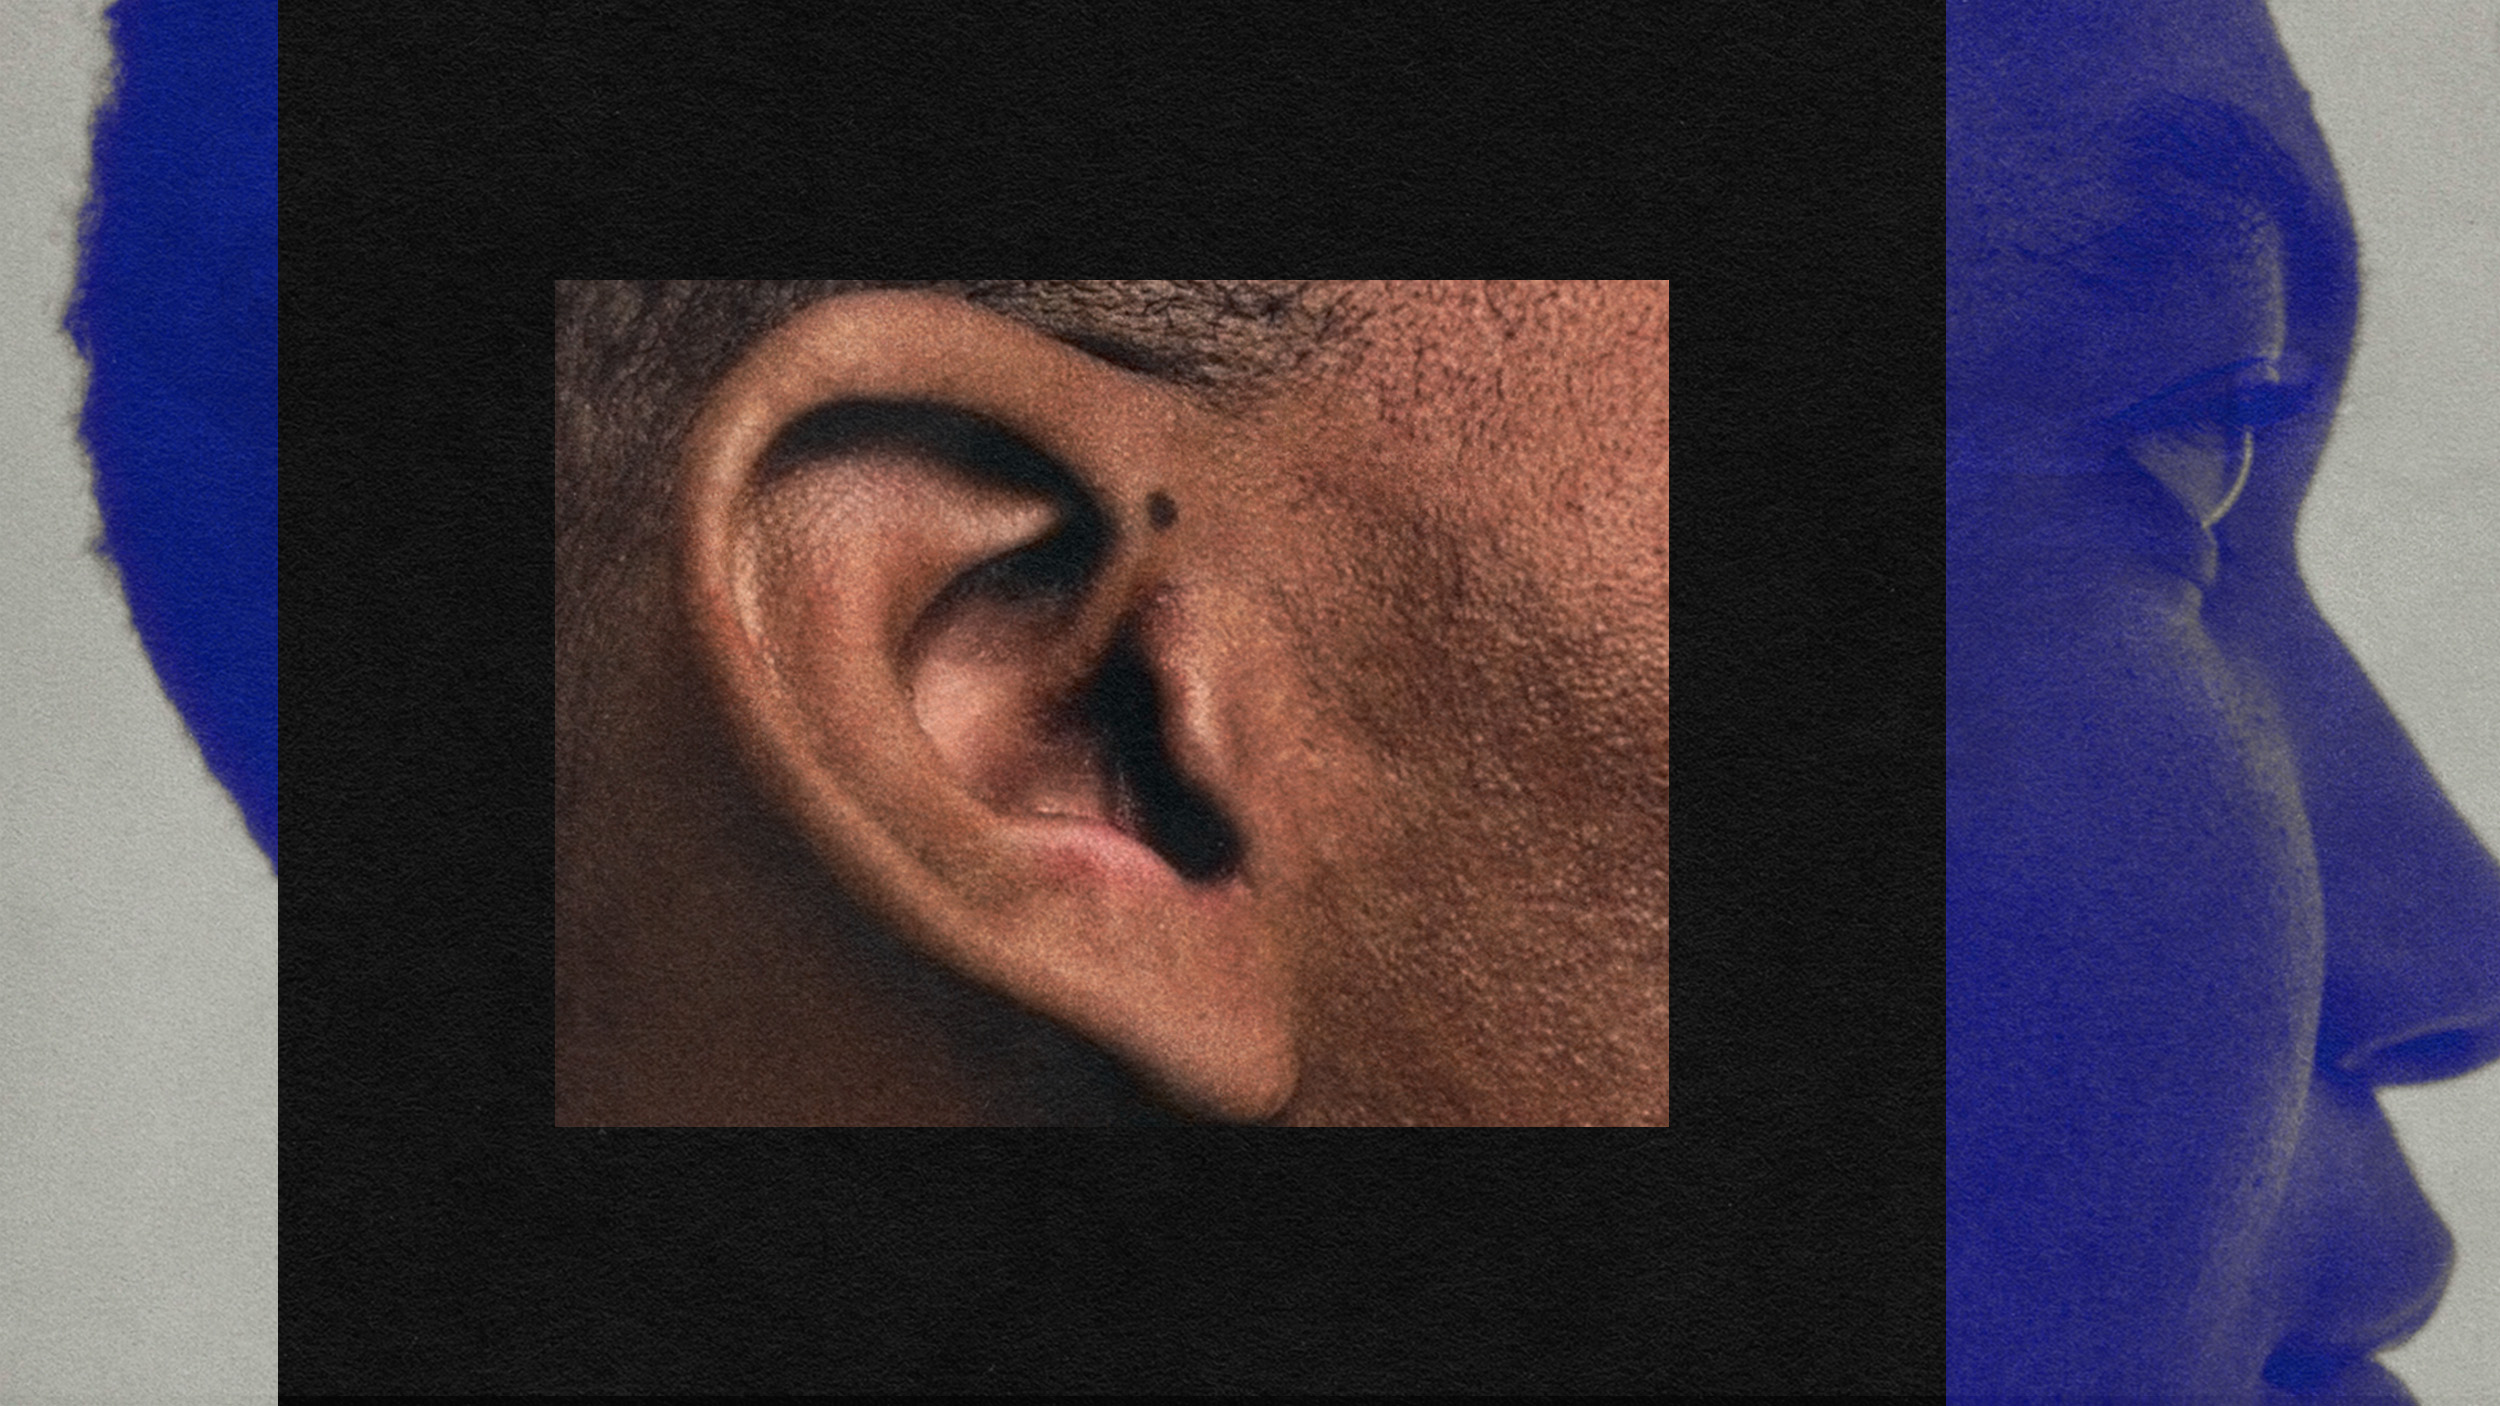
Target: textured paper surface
2396, 540
138, 922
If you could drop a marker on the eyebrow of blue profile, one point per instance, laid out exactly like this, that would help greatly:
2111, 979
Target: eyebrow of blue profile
2253, 407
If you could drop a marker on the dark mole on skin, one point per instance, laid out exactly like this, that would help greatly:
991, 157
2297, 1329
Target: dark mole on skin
1160, 510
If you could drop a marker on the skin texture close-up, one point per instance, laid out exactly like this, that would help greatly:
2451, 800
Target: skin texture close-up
1112, 703
2205, 898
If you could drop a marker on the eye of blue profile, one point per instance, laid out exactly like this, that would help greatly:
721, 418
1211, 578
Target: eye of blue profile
176, 312
2198, 436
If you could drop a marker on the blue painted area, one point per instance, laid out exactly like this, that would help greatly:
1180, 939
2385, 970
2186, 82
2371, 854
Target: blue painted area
177, 314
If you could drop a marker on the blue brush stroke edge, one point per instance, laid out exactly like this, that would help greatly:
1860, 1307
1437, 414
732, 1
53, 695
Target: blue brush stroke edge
176, 311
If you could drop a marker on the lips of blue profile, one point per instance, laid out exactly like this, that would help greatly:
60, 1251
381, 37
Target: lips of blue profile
177, 315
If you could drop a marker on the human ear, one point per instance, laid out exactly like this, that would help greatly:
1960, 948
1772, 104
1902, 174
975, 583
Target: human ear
929, 558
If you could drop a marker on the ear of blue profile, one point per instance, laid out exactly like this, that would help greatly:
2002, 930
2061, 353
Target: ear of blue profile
176, 312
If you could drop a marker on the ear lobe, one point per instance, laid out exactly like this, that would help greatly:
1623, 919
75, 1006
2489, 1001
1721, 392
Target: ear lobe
909, 562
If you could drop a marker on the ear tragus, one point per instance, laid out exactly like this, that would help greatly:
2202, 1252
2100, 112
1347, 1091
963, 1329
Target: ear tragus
1159, 805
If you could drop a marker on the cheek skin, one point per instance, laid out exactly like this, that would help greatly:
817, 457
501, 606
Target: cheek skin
1478, 593
2136, 961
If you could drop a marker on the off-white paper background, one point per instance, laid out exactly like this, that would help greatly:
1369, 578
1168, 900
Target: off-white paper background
138, 923
2401, 538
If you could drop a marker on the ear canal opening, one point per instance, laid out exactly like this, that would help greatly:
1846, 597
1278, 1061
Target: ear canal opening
1157, 804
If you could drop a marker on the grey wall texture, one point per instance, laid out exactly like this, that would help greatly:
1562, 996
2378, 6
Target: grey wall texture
2398, 536
138, 923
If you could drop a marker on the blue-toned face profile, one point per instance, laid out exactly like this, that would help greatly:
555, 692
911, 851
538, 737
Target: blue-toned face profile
177, 315
2205, 898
